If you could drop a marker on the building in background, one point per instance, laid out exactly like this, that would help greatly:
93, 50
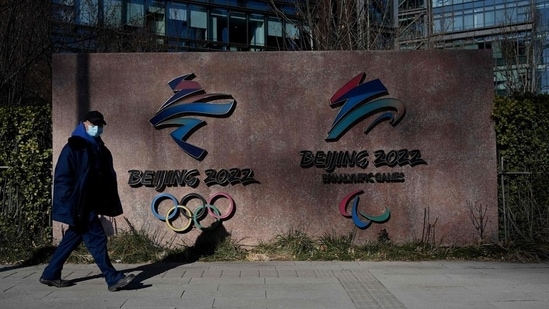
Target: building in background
515, 30
147, 25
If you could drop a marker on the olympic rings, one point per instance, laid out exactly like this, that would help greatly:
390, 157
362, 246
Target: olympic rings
191, 196
157, 201
213, 198
199, 214
210, 208
174, 210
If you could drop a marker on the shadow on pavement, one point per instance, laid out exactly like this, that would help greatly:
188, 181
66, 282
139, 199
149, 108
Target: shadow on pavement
205, 245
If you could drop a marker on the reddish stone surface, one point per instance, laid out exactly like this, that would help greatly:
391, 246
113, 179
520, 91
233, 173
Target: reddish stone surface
283, 108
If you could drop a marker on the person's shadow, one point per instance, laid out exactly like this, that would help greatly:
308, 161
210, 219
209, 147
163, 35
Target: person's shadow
205, 245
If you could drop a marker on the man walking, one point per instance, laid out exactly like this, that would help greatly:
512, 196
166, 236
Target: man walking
84, 187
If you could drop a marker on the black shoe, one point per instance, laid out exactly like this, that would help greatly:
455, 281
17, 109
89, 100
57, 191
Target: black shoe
58, 283
121, 283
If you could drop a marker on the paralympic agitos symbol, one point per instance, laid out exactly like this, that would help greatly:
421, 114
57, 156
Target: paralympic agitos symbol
192, 100
359, 101
356, 215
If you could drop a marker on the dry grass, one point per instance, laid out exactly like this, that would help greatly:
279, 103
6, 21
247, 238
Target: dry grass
136, 247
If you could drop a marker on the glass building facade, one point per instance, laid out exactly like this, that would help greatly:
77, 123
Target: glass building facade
230, 25
516, 31
463, 15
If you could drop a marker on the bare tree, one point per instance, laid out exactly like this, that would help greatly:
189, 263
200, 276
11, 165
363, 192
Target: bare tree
519, 47
105, 26
25, 52
367, 24
32, 30
344, 24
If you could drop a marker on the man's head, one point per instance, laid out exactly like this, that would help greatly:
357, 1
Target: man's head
95, 117
94, 122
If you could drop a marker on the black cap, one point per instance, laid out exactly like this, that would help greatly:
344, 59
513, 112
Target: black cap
95, 117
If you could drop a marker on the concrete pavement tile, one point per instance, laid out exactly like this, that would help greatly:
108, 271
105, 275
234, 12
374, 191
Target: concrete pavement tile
432, 284
440, 297
252, 280
251, 290
169, 281
306, 291
212, 273
518, 275
502, 293
200, 290
170, 274
240, 303
245, 272
193, 273
413, 303
305, 303
268, 273
294, 280
61, 303
23, 293
156, 291
306, 273
287, 273
324, 273
538, 291
317, 303
326, 265
231, 273
164, 302
523, 305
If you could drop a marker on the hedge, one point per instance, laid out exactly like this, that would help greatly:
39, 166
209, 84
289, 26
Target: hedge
25, 176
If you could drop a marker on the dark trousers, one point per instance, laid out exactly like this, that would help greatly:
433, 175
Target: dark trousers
95, 240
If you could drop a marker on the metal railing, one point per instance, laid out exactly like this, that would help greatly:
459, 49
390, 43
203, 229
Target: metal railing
505, 207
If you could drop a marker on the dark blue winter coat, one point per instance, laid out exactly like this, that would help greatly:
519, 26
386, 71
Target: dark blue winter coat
74, 194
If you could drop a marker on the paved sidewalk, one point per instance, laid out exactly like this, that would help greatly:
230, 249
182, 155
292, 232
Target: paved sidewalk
292, 285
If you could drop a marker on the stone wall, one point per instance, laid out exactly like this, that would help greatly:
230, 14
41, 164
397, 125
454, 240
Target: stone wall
271, 150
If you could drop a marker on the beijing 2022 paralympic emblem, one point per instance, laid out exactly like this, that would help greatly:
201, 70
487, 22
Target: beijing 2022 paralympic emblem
360, 100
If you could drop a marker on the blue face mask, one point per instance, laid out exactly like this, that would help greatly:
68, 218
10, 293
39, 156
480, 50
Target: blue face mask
94, 131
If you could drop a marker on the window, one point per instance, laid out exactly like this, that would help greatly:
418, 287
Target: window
511, 15
177, 20
458, 23
500, 17
274, 33
443, 23
238, 31
176, 25
63, 11
489, 18
199, 20
258, 5
292, 37
437, 3
524, 14
88, 12
479, 18
113, 13
256, 29
155, 20
468, 21
135, 14
219, 29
